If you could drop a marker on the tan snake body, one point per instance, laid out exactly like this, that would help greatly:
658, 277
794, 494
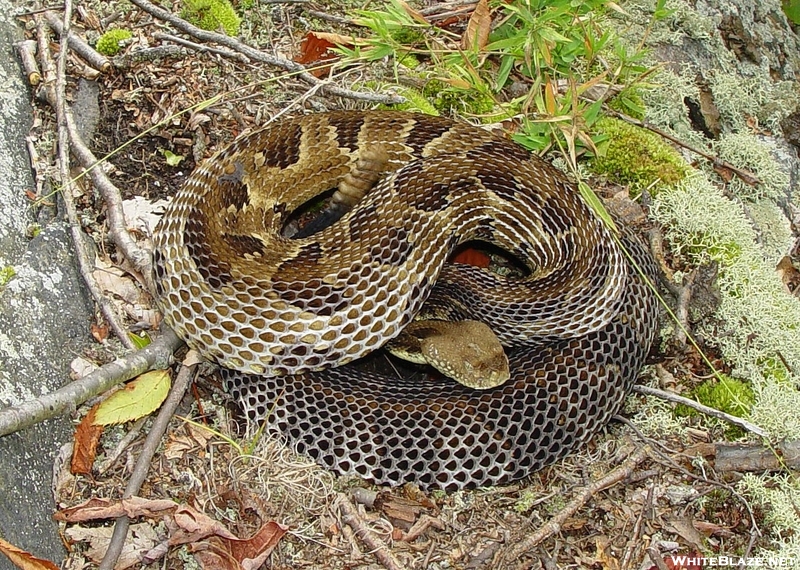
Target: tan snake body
282, 316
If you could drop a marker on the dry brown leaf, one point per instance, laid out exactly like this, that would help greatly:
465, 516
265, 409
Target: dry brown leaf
684, 527
476, 36
24, 560
603, 554
141, 540
316, 47
101, 509
239, 554
84, 450
99, 332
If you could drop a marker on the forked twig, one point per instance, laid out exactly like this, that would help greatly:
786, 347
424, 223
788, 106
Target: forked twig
554, 525
258, 55
376, 545
85, 264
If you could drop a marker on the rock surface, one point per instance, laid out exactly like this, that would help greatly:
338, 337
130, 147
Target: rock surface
44, 323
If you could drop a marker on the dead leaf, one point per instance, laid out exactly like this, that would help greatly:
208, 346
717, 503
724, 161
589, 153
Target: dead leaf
413, 13
317, 47
476, 36
236, 554
102, 509
99, 332
87, 435
603, 554
80, 367
23, 559
789, 274
141, 214
684, 527
141, 540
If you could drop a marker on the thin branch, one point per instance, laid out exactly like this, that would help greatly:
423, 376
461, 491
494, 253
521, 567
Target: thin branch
154, 356
151, 444
85, 265
669, 396
258, 55
376, 545
112, 197
202, 48
745, 175
93, 58
554, 525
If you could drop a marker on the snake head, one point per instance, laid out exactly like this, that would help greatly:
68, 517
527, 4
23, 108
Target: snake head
469, 353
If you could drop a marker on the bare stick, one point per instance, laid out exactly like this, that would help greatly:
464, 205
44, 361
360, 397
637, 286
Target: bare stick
27, 54
745, 175
85, 264
669, 396
112, 197
376, 545
757, 458
257, 55
155, 356
554, 525
202, 48
93, 58
139, 474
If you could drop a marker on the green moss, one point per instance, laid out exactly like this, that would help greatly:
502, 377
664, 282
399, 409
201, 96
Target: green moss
415, 101
728, 395
7, 273
448, 99
212, 15
108, 43
636, 157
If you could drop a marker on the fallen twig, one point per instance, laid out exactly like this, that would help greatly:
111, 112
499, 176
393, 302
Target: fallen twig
258, 55
112, 197
139, 474
85, 265
756, 458
27, 54
376, 545
93, 58
154, 356
554, 525
669, 396
202, 48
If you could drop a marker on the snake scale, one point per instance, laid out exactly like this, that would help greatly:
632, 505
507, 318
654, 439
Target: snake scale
283, 316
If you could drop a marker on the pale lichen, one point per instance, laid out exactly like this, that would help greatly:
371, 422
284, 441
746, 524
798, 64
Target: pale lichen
777, 496
752, 153
757, 318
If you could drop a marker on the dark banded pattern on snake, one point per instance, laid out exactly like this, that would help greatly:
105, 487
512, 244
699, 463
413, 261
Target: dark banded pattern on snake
282, 316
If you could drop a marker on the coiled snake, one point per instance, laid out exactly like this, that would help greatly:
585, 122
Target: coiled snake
282, 316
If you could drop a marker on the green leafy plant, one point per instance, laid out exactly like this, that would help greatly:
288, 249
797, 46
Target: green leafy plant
108, 43
726, 394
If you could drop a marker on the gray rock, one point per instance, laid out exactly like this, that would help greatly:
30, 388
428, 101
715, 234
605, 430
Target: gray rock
44, 323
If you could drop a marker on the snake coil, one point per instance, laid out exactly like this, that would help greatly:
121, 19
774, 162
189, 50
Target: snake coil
284, 316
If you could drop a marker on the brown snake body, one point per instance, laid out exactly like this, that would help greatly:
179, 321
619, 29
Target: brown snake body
282, 316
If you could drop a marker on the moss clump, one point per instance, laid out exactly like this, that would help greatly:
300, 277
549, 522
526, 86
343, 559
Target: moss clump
415, 101
447, 98
7, 273
108, 43
728, 395
212, 15
637, 158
